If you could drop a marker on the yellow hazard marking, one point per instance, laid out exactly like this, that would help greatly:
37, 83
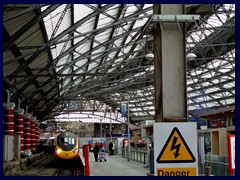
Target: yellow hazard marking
175, 150
176, 172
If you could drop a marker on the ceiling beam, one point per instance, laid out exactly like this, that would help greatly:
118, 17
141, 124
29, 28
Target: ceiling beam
8, 43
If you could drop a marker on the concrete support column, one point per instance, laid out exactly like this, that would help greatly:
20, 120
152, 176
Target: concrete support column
170, 66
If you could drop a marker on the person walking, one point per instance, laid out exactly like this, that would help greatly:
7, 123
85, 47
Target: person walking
96, 151
110, 147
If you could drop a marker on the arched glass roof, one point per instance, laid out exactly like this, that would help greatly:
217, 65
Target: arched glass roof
88, 57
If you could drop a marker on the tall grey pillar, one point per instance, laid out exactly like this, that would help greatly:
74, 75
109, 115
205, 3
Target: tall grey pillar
170, 65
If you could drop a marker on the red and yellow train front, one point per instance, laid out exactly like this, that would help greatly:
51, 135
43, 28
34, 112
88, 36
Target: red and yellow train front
67, 147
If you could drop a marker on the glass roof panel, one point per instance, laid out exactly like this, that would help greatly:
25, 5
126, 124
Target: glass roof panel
88, 40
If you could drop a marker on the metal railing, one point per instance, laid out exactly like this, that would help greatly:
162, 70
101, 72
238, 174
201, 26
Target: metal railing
136, 154
219, 164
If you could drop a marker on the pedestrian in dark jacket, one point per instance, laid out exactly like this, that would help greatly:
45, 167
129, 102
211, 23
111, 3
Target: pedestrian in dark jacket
110, 147
96, 151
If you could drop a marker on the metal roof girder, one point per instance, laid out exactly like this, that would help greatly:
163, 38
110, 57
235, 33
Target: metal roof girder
169, 18
21, 12
215, 100
95, 48
32, 22
175, 18
77, 24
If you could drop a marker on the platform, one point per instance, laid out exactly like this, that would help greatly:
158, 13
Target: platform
116, 166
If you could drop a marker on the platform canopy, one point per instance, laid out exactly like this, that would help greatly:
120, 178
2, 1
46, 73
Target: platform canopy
91, 57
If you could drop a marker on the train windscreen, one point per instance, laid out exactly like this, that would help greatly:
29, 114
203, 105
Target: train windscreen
66, 141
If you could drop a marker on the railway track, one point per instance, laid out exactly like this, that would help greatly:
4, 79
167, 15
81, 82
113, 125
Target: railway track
70, 169
50, 167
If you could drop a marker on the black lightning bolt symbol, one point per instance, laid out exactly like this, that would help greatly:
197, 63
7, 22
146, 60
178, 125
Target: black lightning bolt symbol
177, 147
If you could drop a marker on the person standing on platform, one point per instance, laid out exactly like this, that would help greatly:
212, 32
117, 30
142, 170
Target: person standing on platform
96, 151
113, 148
110, 147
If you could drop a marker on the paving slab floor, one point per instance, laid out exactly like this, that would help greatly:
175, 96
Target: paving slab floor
116, 166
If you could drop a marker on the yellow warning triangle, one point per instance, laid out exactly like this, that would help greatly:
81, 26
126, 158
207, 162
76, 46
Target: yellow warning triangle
175, 150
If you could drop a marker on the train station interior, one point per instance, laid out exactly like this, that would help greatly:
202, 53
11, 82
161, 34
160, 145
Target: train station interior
145, 77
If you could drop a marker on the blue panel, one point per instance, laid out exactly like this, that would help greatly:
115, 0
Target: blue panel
123, 110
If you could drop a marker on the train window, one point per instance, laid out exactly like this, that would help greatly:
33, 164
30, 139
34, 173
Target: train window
61, 141
68, 140
73, 140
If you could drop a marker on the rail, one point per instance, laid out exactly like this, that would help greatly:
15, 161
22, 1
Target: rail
218, 168
136, 154
218, 164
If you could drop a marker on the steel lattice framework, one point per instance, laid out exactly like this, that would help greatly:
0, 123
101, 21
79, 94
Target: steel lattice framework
86, 57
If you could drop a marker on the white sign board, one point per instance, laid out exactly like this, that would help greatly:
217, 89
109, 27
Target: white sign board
175, 149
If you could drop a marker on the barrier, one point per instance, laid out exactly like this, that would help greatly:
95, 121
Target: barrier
136, 154
86, 157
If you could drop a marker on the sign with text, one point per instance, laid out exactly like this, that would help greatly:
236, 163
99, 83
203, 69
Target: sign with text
175, 149
176, 171
123, 109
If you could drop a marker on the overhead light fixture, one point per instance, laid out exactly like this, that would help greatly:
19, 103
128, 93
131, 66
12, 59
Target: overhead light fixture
149, 56
191, 56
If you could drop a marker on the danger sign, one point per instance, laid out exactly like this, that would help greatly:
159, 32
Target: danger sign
175, 149
176, 171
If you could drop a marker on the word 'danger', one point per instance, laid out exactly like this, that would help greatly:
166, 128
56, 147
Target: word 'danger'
176, 172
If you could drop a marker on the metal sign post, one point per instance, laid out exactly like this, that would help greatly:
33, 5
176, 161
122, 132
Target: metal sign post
128, 133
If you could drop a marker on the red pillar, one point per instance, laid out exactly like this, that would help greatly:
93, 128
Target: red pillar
32, 133
26, 133
86, 157
9, 119
18, 127
37, 133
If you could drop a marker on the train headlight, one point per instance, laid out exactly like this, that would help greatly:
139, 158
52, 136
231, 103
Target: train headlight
75, 150
58, 151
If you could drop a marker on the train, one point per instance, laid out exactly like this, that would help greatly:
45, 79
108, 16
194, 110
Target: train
66, 146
